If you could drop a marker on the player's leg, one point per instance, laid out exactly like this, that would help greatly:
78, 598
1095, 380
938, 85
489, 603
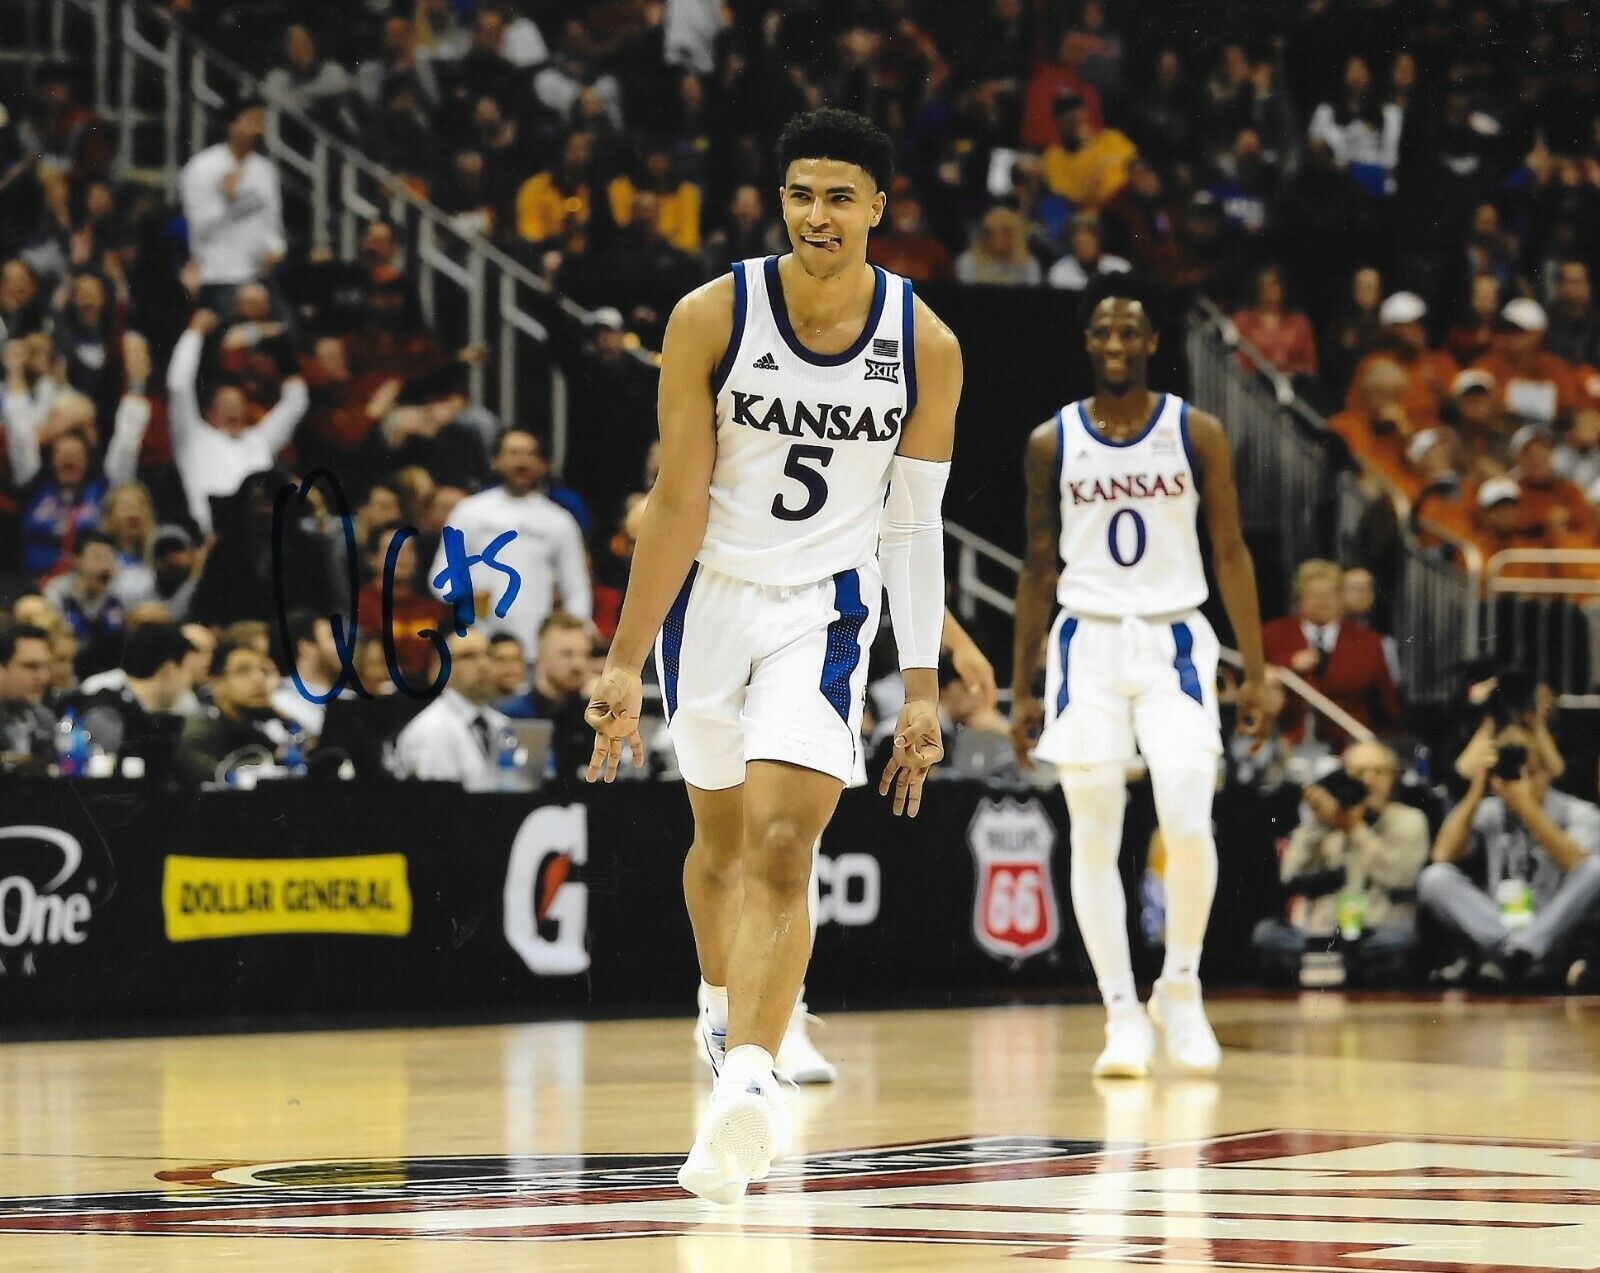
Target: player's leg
712, 891
1175, 718
799, 1060
1088, 734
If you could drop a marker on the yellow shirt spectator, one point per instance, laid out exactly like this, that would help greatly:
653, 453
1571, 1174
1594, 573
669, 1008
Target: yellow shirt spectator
1090, 176
678, 215
545, 210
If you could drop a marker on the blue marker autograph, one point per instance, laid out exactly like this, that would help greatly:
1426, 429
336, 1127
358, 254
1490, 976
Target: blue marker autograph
455, 581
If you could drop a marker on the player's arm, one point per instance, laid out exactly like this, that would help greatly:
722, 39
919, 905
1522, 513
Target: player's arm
911, 552
1236, 572
674, 522
1036, 584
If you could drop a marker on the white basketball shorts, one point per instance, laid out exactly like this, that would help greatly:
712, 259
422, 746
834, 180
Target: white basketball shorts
1113, 684
753, 672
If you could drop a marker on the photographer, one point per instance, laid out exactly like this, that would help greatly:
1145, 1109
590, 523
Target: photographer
1510, 698
1533, 852
1351, 867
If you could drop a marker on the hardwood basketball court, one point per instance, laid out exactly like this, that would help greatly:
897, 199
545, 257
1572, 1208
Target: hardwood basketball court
1383, 1134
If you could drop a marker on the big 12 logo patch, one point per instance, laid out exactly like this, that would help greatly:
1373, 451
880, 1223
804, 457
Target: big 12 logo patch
1014, 913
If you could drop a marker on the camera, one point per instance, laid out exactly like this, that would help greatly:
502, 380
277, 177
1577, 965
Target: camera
1509, 762
1349, 792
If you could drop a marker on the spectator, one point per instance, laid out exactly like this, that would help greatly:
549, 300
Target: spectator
239, 724
1247, 183
1550, 505
1516, 865
677, 201
1362, 132
1045, 213
1163, 114
1470, 339
550, 204
689, 30
457, 737
304, 81
62, 500
173, 570
546, 550
218, 449
27, 729
906, 248
1500, 523
63, 662
1377, 428
1041, 116
1489, 249
1354, 332
560, 676
315, 666
413, 611
1343, 658
255, 568
1358, 596
234, 209
398, 69
142, 717
1475, 406
999, 253
1351, 871
1434, 460
1089, 164
1577, 456
129, 517
1536, 387
1403, 340
1085, 258
97, 615
1212, 250
1282, 336
747, 234
510, 666
87, 332
1574, 333
21, 311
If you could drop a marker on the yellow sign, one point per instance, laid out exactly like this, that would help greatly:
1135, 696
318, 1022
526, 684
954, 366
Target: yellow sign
249, 897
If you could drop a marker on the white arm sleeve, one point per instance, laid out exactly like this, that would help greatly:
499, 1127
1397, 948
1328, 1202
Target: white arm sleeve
911, 552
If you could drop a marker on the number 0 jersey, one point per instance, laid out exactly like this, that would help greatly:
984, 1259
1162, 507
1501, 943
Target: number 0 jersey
804, 440
1129, 545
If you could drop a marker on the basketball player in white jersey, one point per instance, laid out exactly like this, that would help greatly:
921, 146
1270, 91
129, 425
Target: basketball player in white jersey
798, 394
1114, 483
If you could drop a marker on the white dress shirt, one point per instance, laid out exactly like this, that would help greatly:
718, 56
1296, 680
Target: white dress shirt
210, 461
228, 237
440, 743
547, 553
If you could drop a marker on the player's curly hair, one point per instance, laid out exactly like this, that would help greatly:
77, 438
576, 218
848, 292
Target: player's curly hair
1126, 286
830, 133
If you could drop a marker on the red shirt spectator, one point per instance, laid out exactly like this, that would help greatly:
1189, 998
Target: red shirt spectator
907, 249
1039, 129
414, 610
1341, 657
1283, 337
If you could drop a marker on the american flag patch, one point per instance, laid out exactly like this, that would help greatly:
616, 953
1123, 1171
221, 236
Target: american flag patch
886, 348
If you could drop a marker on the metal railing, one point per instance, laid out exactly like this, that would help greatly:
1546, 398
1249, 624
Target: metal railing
1279, 457
1547, 624
163, 88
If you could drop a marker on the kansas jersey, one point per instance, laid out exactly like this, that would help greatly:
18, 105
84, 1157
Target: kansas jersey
804, 440
1129, 545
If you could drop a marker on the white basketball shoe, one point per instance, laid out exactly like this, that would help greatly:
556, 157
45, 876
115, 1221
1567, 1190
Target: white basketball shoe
798, 1059
744, 1130
1190, 1045
1130, 1043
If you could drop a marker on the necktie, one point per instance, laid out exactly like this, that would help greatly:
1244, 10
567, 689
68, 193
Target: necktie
480, 731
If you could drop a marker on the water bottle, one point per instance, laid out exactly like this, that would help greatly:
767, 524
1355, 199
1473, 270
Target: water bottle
66, 745
294, 759
505, 762
80, 748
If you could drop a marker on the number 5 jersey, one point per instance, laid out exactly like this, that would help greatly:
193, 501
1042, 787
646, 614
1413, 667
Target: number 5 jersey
804, 439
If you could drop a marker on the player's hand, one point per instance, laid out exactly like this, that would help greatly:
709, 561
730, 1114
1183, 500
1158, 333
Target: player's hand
1027, 720
975, 671
918, 747
1255, 715
613, 713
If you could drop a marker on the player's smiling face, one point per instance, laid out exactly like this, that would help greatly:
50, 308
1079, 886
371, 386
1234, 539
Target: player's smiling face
1120, 341
828, 207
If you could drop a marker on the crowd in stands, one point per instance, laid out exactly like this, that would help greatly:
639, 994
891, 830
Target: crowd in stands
1397, 202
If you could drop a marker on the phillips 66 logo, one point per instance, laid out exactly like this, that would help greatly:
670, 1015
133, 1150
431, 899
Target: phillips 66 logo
1014, 912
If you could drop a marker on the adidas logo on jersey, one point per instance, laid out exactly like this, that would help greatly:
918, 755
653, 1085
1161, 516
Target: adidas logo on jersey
765, 363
